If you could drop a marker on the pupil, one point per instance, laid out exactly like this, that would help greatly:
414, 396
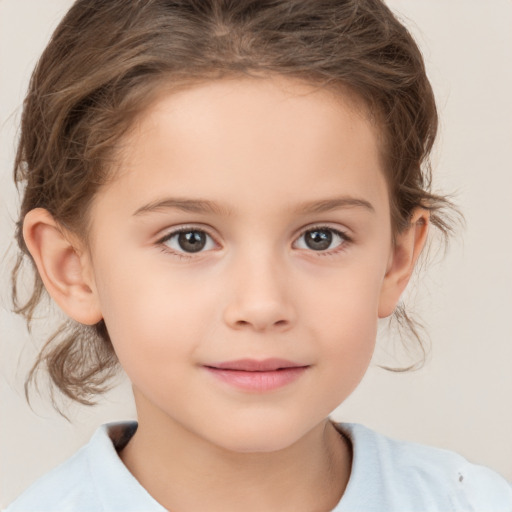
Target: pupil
192, 241
318, 240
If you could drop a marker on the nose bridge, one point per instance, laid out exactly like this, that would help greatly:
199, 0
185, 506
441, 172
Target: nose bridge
260, 296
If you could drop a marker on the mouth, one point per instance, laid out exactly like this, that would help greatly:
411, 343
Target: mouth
257, 375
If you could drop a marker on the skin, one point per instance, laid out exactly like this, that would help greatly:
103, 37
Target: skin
259, 151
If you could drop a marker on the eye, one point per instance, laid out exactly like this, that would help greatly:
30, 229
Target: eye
188, 240
321, 239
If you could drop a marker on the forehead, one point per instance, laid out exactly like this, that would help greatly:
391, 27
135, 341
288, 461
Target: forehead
249, 103
236, 139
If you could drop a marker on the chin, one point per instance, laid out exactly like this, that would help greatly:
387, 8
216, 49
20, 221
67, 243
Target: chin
261, 437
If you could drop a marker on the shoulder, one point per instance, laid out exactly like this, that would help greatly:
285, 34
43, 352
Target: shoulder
94, 478
412, 476
61, 488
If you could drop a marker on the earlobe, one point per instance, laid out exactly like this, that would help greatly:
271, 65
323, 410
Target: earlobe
64, 272
407, 249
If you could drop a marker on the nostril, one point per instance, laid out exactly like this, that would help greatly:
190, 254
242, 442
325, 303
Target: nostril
258, 314
262, 325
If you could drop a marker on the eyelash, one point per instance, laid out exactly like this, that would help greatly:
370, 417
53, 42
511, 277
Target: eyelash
345, 241
185, 229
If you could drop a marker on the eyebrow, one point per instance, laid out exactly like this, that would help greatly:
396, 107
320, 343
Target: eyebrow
335, 203
186, 205
206, 206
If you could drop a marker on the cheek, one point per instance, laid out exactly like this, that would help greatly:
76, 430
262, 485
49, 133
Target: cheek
344, 317
149, 316
349, 330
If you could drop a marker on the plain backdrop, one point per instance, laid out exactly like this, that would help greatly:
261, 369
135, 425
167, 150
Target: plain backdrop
462, 398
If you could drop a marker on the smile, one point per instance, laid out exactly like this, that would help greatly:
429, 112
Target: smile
257, 376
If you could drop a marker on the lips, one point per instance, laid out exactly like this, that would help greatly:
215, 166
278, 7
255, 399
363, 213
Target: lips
253, 365
257, 375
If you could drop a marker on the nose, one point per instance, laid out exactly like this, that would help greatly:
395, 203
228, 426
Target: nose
260, 297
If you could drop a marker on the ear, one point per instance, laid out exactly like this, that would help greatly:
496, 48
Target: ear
65, 270
407, 248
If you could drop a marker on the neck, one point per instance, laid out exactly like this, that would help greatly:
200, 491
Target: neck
309, 475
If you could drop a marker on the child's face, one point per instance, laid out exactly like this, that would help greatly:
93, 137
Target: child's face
285, 245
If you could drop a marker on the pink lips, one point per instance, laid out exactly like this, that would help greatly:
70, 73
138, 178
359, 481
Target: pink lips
258, 376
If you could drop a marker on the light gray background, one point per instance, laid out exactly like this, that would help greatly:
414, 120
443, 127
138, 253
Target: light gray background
462, 399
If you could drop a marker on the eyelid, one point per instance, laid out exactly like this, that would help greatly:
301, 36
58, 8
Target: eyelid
342, 230
170, 232
180, 227
339, 231
184, 228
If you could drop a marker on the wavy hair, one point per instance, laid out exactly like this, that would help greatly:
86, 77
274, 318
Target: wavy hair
105, 63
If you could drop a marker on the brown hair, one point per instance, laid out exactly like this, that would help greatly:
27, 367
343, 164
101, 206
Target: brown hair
106, 61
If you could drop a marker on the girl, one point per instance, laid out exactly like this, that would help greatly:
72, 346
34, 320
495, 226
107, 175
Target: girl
224, 198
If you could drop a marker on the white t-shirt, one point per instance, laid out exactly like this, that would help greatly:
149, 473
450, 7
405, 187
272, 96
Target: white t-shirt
386, 476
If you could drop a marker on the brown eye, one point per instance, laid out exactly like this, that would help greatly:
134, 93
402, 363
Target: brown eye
321, 239
192, 241
318, 240
188, 241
